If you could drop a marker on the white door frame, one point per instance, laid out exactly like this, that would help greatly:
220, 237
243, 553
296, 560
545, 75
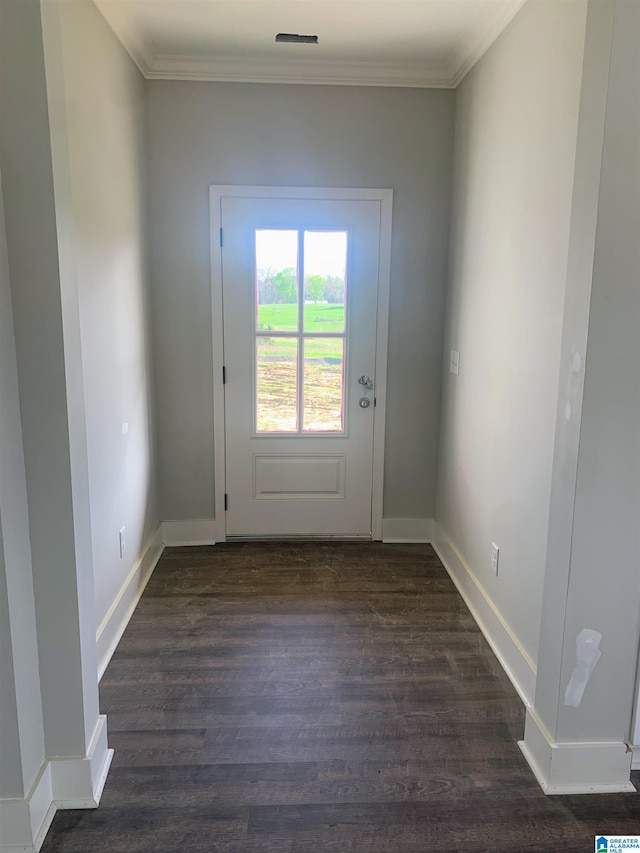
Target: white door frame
385, 197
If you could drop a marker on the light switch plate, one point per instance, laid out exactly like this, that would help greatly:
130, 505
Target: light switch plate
495, 556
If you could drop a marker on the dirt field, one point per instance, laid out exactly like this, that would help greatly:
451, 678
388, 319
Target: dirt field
277, 395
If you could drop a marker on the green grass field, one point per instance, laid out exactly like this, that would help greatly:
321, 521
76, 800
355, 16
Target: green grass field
317, 318
313, 348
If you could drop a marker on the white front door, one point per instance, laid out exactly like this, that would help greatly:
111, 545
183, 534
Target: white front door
300, 294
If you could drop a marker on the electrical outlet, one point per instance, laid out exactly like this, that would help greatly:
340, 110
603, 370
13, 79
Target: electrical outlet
495, 555
454, 362
123, 541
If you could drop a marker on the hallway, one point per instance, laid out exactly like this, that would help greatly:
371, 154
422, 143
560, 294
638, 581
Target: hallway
286, 698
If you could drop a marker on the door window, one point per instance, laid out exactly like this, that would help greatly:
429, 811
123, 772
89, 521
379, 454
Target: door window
300, 334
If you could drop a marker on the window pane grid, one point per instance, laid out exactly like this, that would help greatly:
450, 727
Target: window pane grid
300, 331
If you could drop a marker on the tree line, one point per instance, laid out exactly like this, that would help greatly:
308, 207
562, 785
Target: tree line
281, 287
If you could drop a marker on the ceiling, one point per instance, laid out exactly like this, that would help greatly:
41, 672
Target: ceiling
418, 43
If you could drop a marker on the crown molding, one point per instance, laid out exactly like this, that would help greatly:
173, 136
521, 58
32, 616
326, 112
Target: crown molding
235, 70
499, 15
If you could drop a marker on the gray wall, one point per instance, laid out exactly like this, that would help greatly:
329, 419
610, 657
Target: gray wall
104, 106
224, 133
515, 147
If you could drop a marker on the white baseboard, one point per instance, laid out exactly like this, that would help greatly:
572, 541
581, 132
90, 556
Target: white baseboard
575, 768
78, 782
63, 783
24, 823
114, 623
515, 661
198, 531
407, 530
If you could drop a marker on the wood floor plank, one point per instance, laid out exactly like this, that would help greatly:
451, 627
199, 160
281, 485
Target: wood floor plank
307, 697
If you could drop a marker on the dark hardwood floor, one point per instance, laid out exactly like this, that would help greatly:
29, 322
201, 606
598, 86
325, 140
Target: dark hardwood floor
296, 698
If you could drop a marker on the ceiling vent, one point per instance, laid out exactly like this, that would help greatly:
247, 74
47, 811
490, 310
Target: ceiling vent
295, 38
